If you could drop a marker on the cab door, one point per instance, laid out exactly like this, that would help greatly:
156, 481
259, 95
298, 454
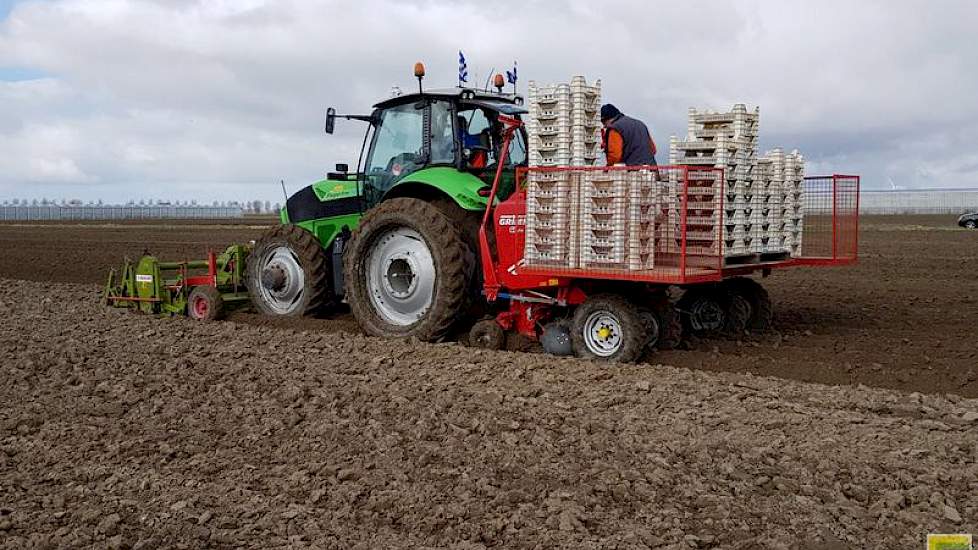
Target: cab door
398, 148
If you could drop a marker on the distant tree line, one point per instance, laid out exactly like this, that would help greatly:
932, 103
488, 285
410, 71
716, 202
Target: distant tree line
248, 206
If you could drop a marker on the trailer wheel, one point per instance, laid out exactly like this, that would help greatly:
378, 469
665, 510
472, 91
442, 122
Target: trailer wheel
487, 334
736, 314
288, 273
205, 304
610, 328
407, 271
761, 308
670, 327
701, 309
556, 338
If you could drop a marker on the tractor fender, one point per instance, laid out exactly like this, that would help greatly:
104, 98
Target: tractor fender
461, 187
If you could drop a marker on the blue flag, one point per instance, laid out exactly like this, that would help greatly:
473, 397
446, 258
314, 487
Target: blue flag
463, 69
511, 76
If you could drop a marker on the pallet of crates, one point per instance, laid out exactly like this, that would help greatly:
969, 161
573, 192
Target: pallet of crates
643, 207
603, 219
549, 223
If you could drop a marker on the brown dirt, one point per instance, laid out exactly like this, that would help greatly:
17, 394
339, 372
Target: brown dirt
901, 319
126, 431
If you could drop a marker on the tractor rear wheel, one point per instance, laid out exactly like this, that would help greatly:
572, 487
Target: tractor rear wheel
288, 273
407, 271
205, 304
761, 308
610, 328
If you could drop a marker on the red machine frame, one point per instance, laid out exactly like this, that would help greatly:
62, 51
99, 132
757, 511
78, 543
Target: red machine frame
533, 290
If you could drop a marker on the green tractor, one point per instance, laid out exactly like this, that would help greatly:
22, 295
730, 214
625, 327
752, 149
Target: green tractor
397, 239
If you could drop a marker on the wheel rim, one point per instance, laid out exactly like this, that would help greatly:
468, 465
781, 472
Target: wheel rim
706, 315
970, 225
401, 276
283, 281
602, 333
200, 307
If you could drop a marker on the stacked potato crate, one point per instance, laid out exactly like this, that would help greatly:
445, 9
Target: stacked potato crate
585, 122
618, 211
564, 129
792, 202
563, 123
721, 140
550, 236
548, 125
766, 214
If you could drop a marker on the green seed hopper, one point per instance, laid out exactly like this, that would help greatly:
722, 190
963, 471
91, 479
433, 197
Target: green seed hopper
200, 289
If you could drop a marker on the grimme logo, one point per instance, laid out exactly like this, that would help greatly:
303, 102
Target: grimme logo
949, 542
516, 224
512, 219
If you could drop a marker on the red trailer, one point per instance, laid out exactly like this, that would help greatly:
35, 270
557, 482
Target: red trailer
615, 310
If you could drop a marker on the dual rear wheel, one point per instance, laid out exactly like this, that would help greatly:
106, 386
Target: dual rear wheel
731, 307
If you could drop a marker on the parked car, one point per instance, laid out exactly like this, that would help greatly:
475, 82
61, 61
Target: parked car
968, 220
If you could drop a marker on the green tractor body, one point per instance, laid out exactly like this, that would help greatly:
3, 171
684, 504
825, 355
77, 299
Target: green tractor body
396, 239
433, 154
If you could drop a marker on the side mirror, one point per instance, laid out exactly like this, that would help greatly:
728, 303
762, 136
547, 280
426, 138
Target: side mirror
342, 167
330, 120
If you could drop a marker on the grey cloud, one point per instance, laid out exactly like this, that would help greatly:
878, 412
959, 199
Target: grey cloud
227, 96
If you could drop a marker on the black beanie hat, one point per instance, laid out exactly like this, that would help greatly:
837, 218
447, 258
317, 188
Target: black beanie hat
609, 111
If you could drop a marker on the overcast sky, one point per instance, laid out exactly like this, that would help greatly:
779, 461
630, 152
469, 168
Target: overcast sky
220, 99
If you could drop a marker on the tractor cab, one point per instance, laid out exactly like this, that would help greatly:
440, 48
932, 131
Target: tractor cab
455, 129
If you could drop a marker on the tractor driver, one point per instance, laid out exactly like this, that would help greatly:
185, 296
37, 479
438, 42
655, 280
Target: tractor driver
474, 143
625, 140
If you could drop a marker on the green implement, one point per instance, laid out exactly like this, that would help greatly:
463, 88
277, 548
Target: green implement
200, 289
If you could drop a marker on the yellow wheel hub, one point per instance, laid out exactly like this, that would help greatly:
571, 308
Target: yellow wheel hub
604, 333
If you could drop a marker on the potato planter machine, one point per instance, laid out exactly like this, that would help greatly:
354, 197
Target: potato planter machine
612, 311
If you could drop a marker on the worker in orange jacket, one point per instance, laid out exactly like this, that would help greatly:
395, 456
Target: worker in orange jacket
625, 140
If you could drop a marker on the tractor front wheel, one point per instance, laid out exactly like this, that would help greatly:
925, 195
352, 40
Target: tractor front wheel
407, 271
288, 273
205, 304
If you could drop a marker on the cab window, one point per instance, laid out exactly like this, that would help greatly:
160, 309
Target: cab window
398, 147
442, 134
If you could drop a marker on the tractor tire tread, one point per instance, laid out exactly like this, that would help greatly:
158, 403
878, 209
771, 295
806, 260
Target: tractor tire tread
453, 258
313, 259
